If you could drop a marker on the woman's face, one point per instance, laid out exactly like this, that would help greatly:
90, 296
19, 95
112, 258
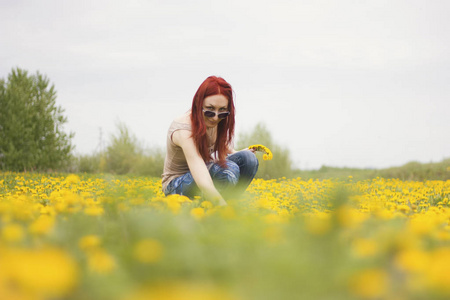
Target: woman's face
217, 104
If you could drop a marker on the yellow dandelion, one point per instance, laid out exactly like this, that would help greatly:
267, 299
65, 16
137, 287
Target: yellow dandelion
174, 202
45, 273
12, 233
227, 212
137, 201
260, 148
403, 208
370, 283
100, 261
123, 207
42, 225
437, 271
365, 248
206, 204
89, 242
422, 224
181, 291
349, 217
72, 179
94, 210
148, 251
274, 219
412, 260
198, 213
318, 224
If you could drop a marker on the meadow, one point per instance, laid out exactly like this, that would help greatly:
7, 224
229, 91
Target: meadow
67, 236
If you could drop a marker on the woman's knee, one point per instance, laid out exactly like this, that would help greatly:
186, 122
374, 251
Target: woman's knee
231, 177
231, 173
249, 160
226, 176
252, 160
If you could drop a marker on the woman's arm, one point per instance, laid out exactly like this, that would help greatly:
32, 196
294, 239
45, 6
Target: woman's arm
232, 151
197, 166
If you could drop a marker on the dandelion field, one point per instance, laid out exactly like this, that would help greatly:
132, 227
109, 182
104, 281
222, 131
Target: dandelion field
102, 237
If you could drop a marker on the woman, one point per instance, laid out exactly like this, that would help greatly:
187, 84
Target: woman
200, 158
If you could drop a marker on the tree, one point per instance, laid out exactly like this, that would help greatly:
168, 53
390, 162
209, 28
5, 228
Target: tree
280, 165
124, 154
123, 151
31, 124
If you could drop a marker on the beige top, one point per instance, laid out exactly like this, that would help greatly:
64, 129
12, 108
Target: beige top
175, 163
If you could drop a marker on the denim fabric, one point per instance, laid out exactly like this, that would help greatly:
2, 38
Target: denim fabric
230, 181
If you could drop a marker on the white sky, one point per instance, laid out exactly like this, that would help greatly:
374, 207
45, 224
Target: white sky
340, 83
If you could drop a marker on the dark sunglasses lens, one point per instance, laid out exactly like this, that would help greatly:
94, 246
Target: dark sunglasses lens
223, 115
209, 114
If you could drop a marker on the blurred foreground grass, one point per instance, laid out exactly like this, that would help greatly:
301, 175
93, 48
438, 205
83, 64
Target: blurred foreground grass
103, 237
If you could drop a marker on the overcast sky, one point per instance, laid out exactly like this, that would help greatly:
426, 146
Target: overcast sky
340, 83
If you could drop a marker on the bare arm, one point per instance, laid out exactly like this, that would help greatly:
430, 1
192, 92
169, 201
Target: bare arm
232, 150
197, 166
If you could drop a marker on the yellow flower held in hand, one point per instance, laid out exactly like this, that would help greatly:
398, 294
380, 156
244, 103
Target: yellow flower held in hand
267, 153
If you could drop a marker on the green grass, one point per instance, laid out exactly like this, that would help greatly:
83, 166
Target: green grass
411, 171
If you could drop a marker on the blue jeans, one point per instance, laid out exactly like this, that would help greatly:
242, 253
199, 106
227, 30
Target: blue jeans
230, 181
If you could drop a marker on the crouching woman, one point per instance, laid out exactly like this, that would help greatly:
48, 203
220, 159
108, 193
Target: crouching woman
200, 159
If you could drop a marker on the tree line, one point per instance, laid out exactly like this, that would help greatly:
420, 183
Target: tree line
33, 139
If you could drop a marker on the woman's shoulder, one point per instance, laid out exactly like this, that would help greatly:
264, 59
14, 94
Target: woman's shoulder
181, 122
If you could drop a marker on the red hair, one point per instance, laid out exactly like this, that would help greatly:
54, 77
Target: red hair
225, 129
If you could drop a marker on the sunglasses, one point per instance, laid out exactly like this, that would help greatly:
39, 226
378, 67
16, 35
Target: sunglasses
212, 114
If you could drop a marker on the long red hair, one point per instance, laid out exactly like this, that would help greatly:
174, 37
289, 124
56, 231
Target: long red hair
225, 129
